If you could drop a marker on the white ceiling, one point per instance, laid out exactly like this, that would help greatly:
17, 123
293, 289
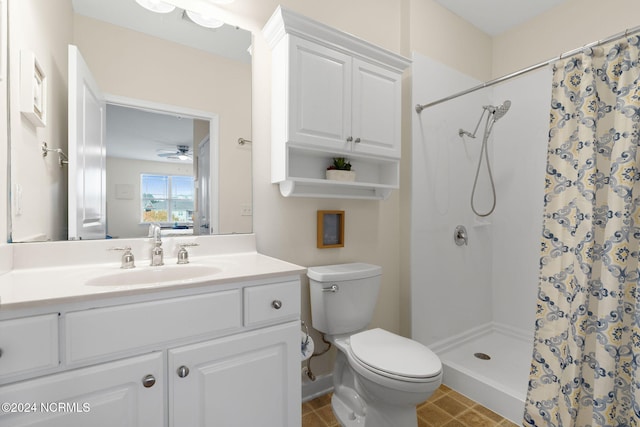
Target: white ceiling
497, 16
142, 135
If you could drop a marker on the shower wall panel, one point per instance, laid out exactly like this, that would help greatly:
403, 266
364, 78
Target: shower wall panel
519, 159
451, 285
492, 280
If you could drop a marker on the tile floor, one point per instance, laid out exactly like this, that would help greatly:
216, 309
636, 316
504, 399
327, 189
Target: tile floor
446, 408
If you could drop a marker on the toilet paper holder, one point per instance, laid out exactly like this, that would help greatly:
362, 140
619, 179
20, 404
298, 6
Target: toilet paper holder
304, 343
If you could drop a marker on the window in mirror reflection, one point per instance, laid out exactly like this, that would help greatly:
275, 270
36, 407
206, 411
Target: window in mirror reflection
167, 200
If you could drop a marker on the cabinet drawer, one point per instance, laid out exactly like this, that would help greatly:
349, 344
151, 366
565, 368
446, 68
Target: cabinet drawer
104, 395
112, 330
28, 343
269, 303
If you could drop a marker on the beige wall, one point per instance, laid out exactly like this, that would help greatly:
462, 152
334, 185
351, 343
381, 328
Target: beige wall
44, 28
440, 34
564, 28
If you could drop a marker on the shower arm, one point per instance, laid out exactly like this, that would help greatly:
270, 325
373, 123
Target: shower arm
462, 132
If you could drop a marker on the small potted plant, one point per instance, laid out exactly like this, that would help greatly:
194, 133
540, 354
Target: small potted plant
340, 170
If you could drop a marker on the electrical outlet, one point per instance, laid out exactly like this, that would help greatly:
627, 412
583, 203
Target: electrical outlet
17, 199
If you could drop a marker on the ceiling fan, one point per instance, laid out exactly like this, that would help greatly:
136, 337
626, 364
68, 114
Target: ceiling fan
183, 152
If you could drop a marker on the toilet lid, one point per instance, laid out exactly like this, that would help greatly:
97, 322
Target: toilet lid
393, 354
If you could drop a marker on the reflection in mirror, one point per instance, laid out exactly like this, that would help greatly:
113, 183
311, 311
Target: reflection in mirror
151, 176
154, 60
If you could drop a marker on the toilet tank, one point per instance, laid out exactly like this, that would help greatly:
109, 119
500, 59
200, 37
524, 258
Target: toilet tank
343, 296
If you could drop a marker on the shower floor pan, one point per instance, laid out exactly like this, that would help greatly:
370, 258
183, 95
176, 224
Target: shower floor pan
498, 383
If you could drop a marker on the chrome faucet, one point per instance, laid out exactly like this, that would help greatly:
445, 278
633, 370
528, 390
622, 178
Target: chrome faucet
157, 253
183, 255
127, 257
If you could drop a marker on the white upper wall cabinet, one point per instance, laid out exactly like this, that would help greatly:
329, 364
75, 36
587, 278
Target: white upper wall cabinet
334, 95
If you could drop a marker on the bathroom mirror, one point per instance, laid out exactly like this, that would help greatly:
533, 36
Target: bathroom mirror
160, 65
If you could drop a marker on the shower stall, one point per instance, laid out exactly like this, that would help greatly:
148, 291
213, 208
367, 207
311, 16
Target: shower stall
474, 304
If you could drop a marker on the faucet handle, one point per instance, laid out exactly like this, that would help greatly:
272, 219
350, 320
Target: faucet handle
186, 245
183, 255
128, 260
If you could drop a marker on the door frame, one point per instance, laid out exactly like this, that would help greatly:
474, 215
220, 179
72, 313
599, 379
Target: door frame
214, 138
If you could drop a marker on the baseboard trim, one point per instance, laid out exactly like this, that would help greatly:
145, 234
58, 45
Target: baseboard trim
321, 386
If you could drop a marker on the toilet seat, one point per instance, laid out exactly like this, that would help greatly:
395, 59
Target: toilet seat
394, 357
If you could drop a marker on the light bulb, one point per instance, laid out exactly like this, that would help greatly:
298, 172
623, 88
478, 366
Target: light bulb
158, 6
203, 20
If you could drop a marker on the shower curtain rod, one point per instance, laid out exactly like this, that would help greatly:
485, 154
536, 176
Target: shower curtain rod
627, 32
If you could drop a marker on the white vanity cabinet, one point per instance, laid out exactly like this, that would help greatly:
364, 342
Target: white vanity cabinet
125, 393
221, 354
39, 352
333, 95
240, 380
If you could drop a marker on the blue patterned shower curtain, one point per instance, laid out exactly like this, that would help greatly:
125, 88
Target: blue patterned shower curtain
585, 369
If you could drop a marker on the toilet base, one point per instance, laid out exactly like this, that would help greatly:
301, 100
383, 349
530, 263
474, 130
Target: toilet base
359, 402
344, 414
374, 416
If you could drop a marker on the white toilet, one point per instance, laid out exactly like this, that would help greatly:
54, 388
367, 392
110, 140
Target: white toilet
379, 377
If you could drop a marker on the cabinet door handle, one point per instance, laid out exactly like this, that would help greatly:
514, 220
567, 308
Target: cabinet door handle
183, 371
349, 139
277, 304
148, 381
357, 140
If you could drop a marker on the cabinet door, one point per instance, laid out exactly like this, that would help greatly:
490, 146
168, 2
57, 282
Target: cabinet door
107, 395
250, 379
320, 96
376, 120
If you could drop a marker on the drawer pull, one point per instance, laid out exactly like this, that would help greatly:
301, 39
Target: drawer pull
148, 381
183, 371
277, 304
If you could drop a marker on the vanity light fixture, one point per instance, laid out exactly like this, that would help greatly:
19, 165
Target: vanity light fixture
204, 20
157, 6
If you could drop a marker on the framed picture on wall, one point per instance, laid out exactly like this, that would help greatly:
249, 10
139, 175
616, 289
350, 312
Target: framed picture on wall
330, 229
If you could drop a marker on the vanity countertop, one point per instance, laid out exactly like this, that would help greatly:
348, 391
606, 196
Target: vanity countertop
51, 284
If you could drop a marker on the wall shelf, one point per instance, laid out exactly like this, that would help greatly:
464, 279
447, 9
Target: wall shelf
306, 187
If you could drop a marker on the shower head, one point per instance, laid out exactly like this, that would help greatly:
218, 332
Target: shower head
499, 111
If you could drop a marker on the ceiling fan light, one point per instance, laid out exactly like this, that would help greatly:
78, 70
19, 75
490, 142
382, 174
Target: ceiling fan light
157, 6
203, 20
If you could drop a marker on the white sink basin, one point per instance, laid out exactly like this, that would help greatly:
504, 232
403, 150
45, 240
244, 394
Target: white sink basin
151, 275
